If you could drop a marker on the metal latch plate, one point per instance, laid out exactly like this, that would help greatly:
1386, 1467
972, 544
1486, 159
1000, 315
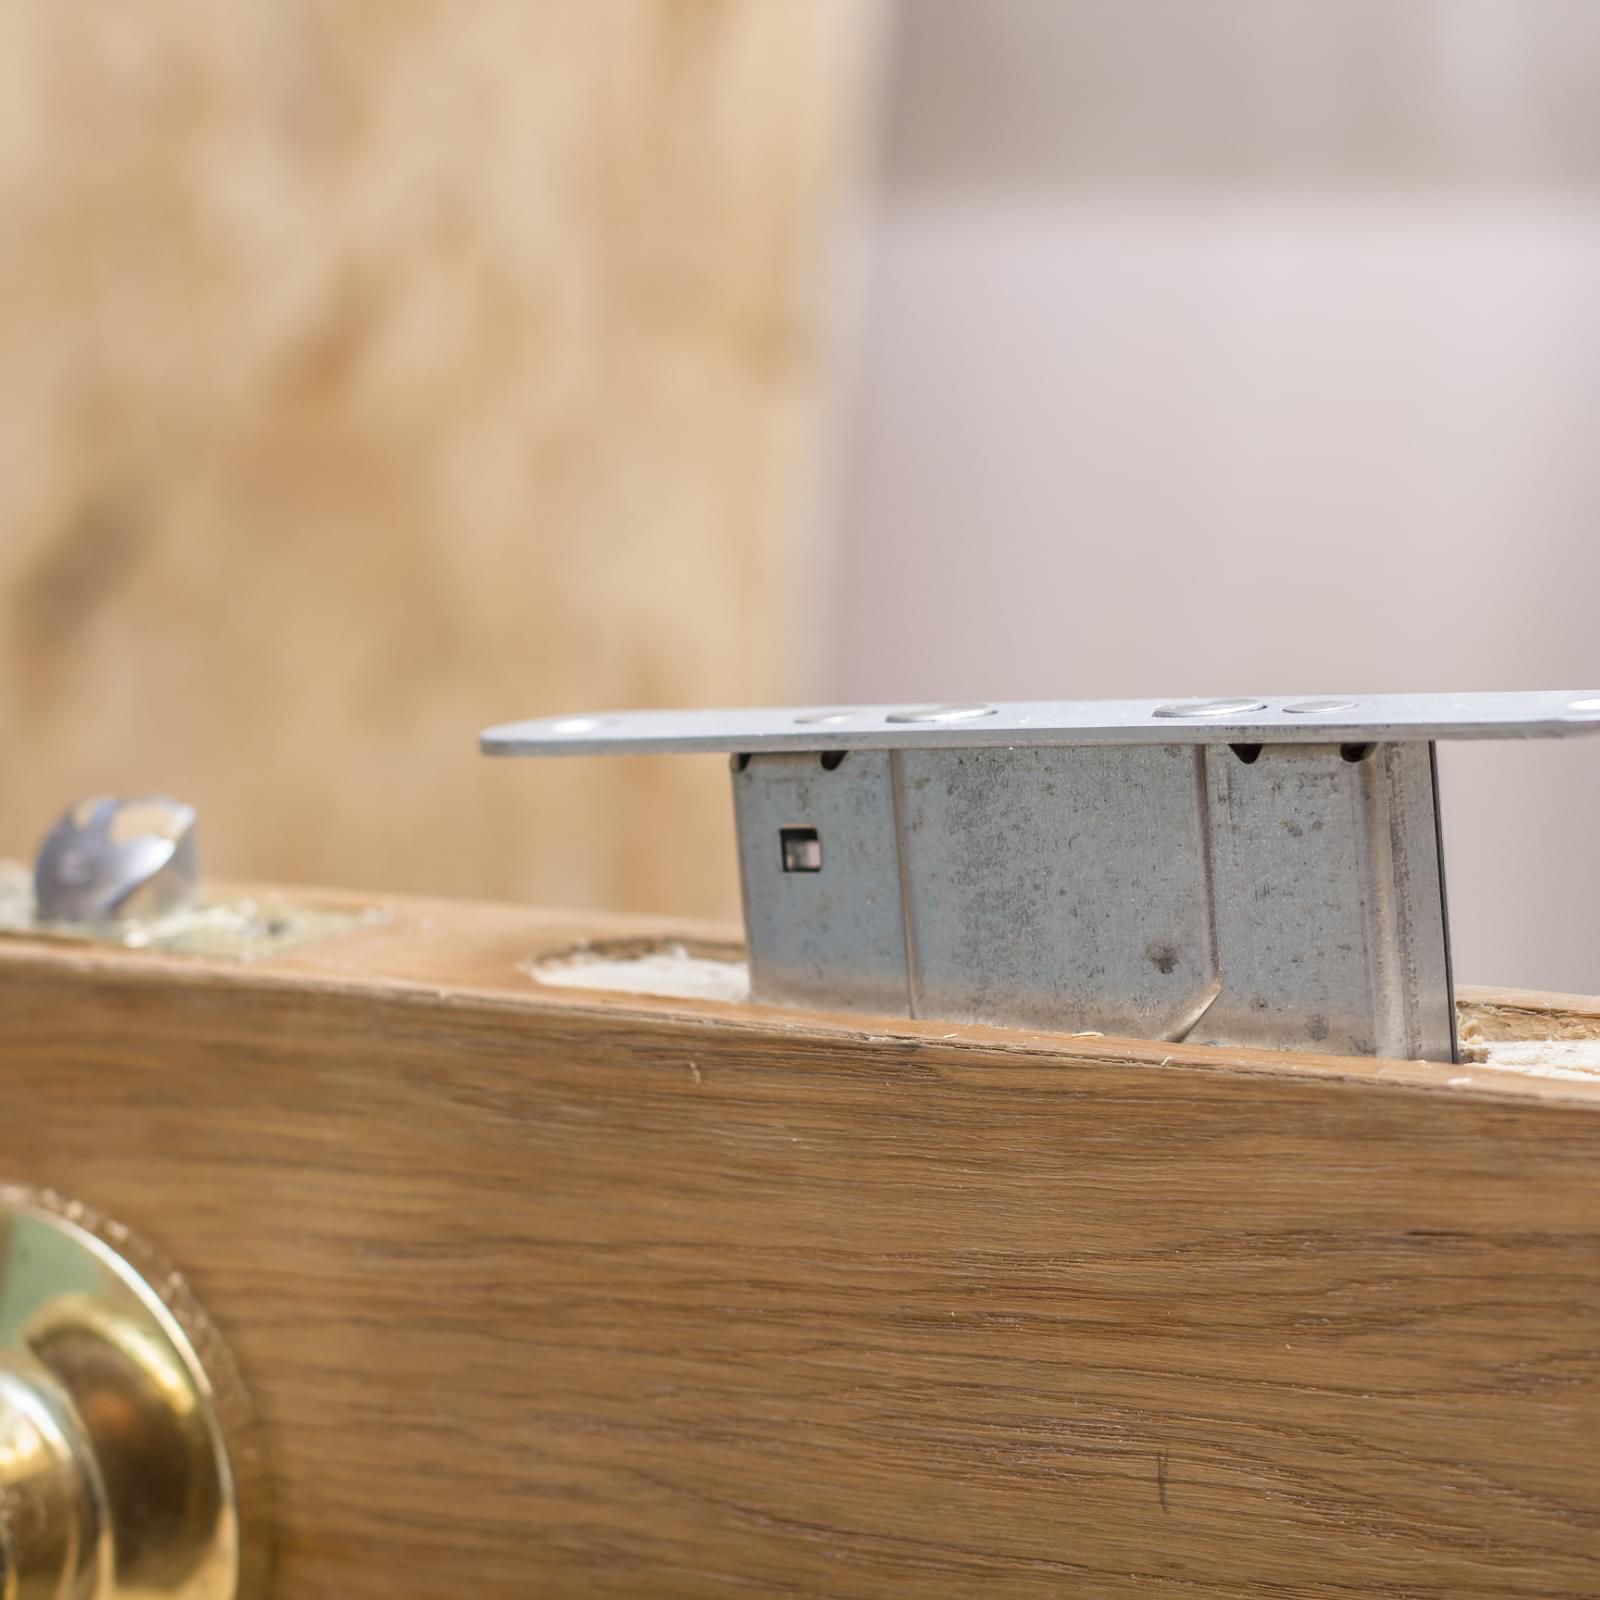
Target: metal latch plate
1302, 719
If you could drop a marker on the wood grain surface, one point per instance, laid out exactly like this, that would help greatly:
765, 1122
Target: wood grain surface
554, 1293
374, 372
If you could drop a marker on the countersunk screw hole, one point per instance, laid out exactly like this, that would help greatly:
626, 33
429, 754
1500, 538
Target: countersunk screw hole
1355, 752
831, 759
1247, 753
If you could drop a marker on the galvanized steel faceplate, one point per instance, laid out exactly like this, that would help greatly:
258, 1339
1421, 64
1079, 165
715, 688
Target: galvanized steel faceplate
1240, 872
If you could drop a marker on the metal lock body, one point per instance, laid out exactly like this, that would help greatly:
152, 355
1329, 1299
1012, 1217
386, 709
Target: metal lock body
1161, 891
1256, 872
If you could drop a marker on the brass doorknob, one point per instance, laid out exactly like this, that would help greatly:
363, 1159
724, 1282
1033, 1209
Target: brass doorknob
129, 1457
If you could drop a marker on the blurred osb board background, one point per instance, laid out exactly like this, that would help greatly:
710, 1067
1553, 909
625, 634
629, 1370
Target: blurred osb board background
372, 371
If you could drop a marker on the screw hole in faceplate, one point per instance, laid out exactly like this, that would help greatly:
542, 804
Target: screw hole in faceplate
1355, 752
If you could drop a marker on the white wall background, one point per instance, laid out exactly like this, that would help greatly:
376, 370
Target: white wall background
1228, 346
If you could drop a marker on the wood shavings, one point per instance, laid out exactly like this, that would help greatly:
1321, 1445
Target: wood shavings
669, 969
